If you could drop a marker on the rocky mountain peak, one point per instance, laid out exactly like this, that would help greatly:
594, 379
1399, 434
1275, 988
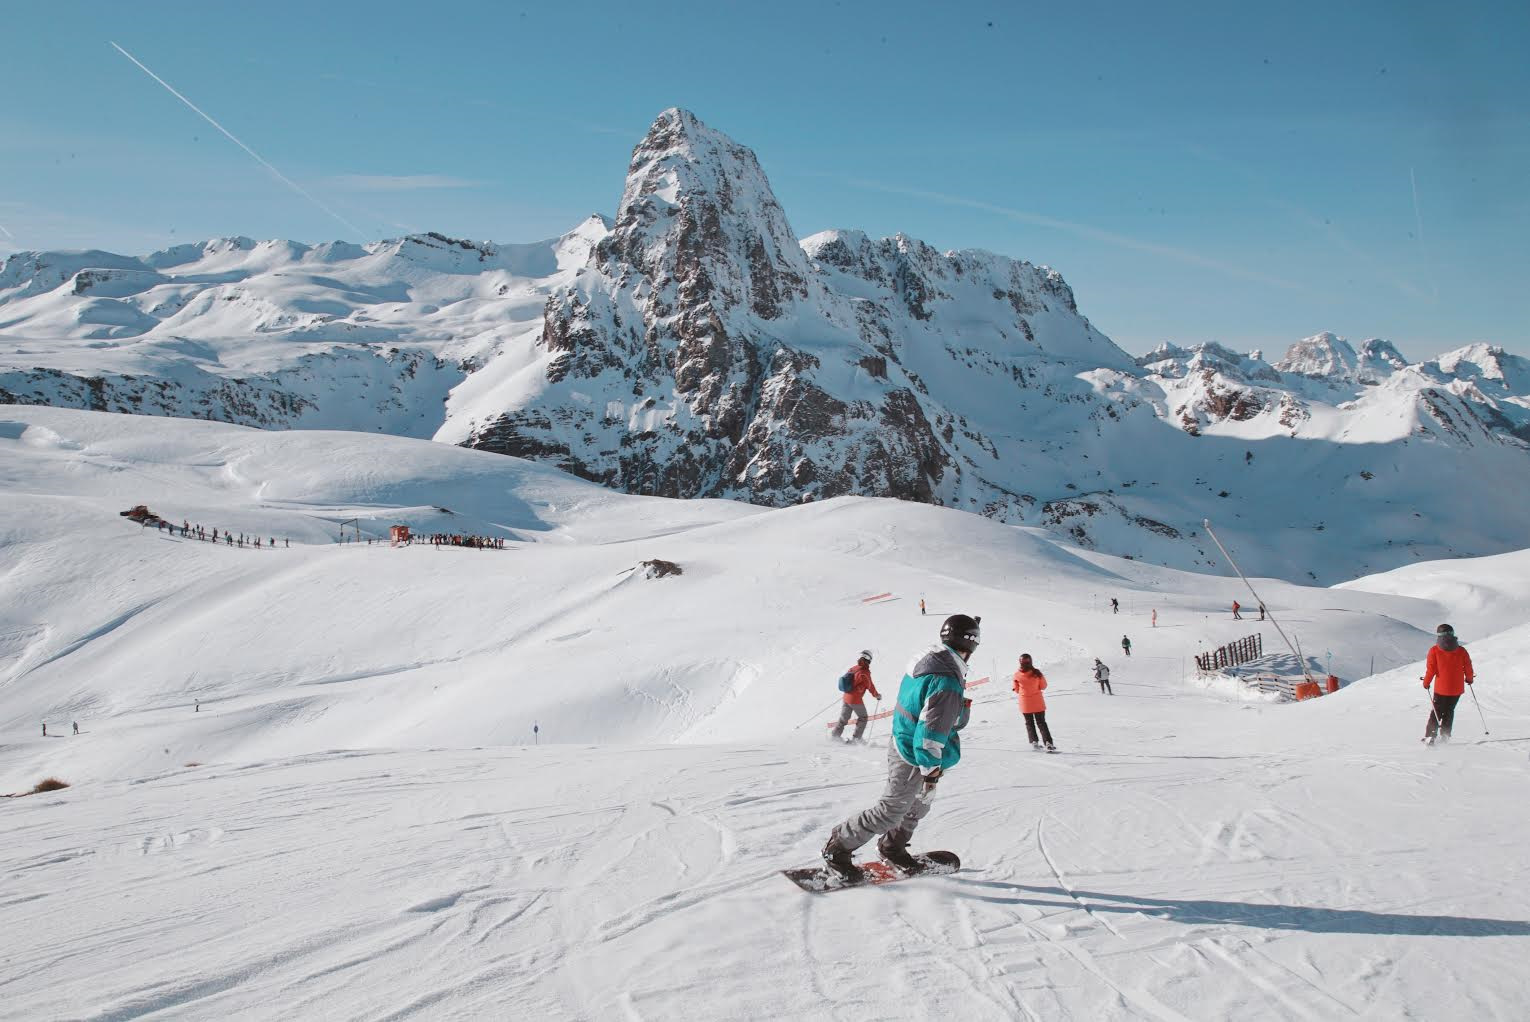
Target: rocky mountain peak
1323, 355
698, 211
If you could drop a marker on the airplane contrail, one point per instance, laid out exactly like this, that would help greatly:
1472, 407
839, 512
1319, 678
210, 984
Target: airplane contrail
283, 178
1418, 218
8, 234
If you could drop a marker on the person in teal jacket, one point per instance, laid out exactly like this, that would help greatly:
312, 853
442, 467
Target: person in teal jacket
932, 708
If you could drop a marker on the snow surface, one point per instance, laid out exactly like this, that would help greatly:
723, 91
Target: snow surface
357, 823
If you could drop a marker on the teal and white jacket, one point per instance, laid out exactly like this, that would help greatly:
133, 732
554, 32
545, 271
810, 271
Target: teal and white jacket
931, 709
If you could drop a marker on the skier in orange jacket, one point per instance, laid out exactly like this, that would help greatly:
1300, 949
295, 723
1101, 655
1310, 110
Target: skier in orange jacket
855, 683
1449, 667
1028, 685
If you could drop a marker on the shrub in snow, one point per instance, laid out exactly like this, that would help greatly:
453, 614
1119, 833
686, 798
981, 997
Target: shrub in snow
49, 784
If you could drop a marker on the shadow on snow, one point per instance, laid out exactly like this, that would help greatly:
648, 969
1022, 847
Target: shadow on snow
1268, 917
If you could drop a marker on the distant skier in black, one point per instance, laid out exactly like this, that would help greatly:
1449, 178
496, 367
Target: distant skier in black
76, 726
932, 708
1261, 611
1102, 675
1126, 645
1115, 605
45, 730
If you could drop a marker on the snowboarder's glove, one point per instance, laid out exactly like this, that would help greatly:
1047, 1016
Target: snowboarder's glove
1426, 686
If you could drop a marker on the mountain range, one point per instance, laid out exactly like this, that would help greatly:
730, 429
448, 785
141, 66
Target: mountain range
695, 346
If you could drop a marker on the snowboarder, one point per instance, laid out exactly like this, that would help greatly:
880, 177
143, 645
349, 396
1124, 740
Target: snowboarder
1155, 617
855, 683
1102, 675
45, 730
1028, 685
1126, 645
932, 708
1115, 605
197, 706
1236, 608
76, 726
1449, 666
1261, 611
921, 606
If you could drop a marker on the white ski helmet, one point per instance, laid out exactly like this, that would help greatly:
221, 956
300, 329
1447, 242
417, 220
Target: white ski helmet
865, 655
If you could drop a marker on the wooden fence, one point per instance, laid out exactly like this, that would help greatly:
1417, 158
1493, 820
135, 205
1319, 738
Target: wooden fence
1231, 655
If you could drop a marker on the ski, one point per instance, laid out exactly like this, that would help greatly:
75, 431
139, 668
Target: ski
822, 880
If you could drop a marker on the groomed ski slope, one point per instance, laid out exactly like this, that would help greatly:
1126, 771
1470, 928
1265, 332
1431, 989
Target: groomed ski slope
368, 833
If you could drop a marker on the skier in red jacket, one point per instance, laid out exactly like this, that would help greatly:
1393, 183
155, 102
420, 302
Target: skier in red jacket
1449, 667
855, 683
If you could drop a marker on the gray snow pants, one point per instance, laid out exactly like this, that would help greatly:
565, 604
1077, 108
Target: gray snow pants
859, 709
896, 814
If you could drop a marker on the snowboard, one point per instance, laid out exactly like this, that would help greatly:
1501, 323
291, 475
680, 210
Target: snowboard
822, 880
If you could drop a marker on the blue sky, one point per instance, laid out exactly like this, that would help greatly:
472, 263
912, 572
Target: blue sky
1196, 172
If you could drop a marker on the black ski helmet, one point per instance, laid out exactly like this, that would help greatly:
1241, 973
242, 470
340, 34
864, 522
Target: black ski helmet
961, 633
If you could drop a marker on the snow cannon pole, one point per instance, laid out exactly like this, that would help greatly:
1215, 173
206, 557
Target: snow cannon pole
1473, 690
1289, 644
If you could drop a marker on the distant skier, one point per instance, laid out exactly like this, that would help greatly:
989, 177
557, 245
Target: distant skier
1261, 611
855, 683
1236, 608
45, 730
932, 708
1102, 675
1115, 605
197, 706
1155, 617
76, 726
1033, 706
1449, 666
921, 606
1126, 645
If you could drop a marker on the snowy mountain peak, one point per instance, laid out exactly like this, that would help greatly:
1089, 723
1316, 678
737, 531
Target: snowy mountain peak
697, 210
1324, 355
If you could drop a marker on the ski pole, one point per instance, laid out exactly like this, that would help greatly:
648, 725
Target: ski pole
875, 710
1472, 689
818, 714
1439, 728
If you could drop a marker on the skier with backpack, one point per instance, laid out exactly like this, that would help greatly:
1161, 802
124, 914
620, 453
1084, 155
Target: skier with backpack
1102, 675
855, 683
1449, 667
1028, 685
932, 708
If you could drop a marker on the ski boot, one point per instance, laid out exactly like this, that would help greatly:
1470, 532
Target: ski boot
897, 855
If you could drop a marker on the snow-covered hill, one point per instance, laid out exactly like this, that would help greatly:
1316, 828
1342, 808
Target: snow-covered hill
356, 822
693, 347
